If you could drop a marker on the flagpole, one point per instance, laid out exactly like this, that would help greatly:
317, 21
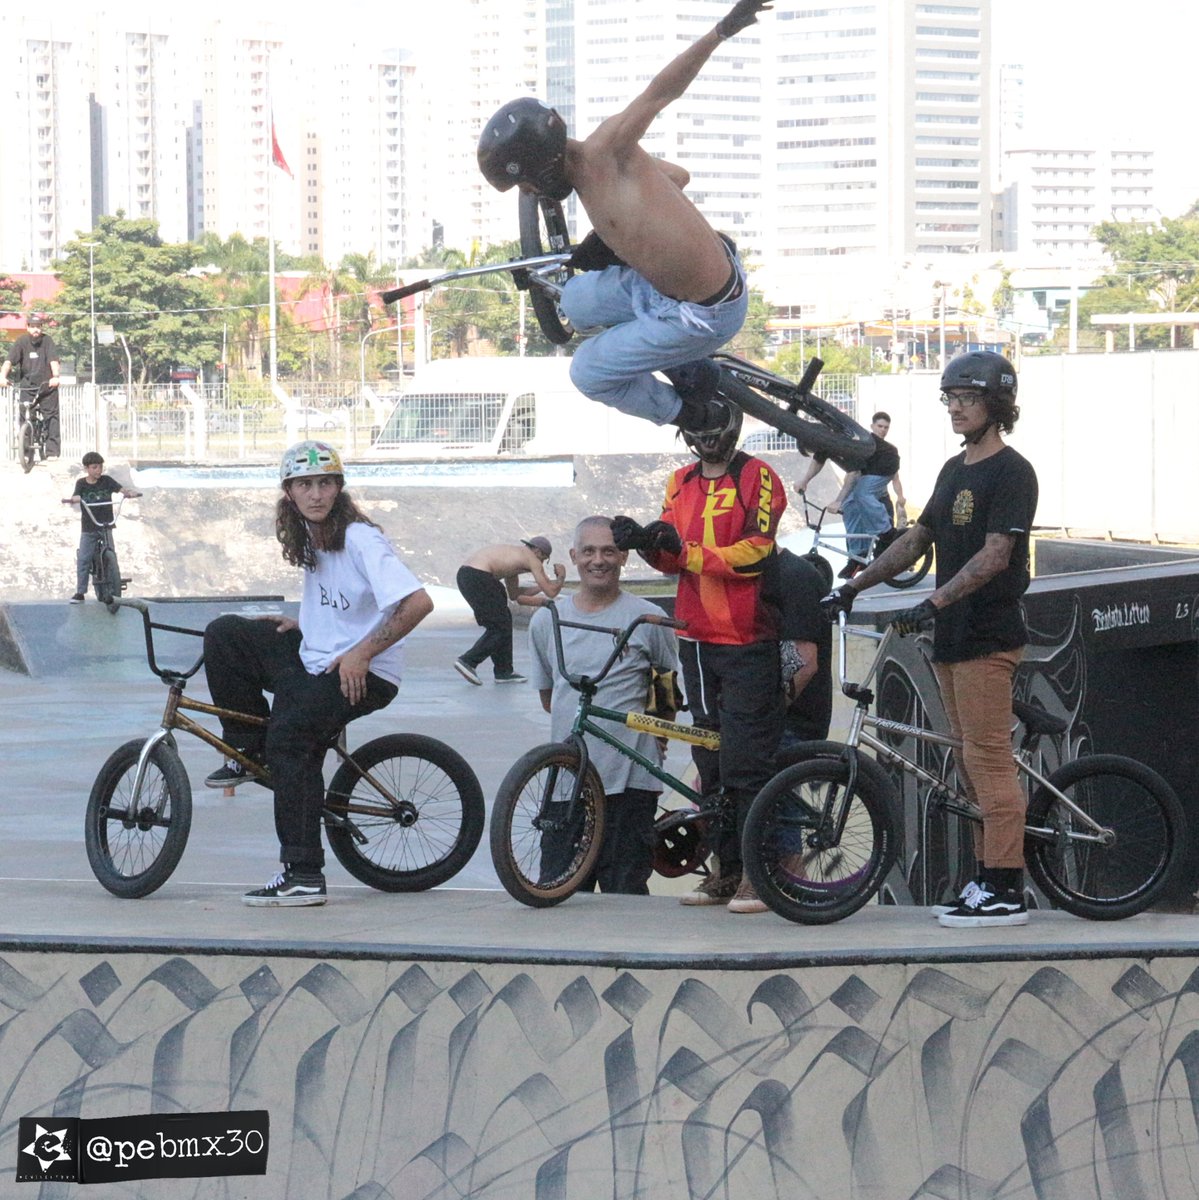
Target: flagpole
272, 331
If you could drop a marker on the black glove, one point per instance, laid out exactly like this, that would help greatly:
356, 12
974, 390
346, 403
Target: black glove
628, 535
743, 13
839, 600
911, 619
663, 538
594, 254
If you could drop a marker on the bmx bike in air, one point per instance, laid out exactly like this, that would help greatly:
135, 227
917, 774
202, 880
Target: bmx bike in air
817, 426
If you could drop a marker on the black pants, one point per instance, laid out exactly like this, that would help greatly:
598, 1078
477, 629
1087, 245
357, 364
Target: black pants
626, 857
737, 690
45, 403
243, 658
488, 600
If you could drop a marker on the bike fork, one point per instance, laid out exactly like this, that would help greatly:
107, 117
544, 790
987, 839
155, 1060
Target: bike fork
143, 759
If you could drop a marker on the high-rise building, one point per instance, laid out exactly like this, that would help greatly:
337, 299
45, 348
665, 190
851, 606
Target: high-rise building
144, 98
46, 176
1055, 195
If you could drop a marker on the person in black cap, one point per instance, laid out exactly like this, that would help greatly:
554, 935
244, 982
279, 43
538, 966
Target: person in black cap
488, 579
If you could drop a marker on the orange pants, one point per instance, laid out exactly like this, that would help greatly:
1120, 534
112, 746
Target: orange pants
977, 696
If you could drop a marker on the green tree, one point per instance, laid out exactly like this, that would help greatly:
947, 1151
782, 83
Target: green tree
838, 360
143, 290
12, 292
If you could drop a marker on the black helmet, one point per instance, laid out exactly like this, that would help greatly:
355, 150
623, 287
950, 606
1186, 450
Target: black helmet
525, 142
985, 370
716, 445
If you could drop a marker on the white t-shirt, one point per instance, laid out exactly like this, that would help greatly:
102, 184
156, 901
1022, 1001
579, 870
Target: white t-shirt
346, 594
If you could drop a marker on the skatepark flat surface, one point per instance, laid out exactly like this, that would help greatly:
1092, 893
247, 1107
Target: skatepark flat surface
57, 729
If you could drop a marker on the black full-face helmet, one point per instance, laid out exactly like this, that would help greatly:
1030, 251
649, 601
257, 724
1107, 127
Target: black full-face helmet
525, 142
983, 370
716, 445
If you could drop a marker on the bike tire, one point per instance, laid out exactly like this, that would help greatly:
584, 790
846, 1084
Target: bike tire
1106, 883
108, 579
405, 855
134, 853
825, 431
27, 447
543, 230
519, 849
914, 574
810, 884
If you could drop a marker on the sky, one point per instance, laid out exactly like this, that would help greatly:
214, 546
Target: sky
1094, 69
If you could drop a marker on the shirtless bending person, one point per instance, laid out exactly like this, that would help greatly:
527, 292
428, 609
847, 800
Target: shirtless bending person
488, 579
676, 292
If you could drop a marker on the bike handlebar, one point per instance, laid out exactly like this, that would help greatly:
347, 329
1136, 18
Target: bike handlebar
409, 289
148, 627
515, 265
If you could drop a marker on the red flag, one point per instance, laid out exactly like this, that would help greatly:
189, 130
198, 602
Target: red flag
277, 154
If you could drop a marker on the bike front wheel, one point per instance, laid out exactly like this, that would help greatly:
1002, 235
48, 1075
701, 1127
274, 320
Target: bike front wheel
108, 578
543, 230
418, 834
133, 846
815, 849
27, 447
540, 851
1124, 870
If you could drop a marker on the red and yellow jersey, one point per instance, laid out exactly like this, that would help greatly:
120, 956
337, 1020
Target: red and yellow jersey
727, 526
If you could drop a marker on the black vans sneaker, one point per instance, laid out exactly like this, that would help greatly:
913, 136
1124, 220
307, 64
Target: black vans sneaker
230, 775
984, 906
293, 887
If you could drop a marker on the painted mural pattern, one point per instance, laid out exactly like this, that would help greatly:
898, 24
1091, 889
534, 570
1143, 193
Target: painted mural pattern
432, 1081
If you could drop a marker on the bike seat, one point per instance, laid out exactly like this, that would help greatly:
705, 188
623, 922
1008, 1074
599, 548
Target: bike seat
1036, 720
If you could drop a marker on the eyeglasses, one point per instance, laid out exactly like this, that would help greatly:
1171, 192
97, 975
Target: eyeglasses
963, 399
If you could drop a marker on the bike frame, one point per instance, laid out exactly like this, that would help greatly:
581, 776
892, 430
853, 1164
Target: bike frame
838, 544
941, 792
174, 717
588, 713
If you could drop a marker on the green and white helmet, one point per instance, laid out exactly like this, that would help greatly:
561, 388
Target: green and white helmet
306, 459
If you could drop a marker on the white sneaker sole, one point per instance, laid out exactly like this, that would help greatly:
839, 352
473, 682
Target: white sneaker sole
467, 673
983, 920
306, 901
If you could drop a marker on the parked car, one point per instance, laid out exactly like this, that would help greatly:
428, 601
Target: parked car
321, 420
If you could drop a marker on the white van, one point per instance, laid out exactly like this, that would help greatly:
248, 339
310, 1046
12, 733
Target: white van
470, 407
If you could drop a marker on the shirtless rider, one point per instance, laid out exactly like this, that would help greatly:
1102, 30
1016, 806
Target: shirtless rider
667, 288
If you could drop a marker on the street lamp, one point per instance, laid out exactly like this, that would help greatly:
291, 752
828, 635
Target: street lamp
91, 282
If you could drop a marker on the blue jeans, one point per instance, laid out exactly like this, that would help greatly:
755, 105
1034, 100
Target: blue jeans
83, 560
644, 332
865, 514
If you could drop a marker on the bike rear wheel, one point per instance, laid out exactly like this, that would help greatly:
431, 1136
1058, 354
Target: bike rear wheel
26, 447
424, 841
543, 230
824, 429
1148, 833
133, 849
914, 574
798, 863
538, 859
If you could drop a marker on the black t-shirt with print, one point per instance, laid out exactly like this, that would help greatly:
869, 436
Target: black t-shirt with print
31, 360
996, 495
99, 493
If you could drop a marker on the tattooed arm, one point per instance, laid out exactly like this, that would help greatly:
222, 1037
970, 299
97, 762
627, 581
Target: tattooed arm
399, 621
982, 568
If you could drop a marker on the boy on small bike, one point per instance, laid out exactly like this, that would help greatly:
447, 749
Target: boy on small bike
96, 489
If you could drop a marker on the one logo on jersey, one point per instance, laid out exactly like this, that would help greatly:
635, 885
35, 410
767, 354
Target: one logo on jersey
717, 503
329, 601
765, 500
963, 507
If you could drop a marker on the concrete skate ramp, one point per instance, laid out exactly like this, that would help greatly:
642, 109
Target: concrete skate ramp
87, 640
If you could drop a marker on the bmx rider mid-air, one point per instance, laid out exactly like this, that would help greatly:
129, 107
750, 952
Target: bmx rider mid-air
671, 289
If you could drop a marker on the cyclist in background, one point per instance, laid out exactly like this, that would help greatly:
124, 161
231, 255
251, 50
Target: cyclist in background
97, 489
979, 519
35, 358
